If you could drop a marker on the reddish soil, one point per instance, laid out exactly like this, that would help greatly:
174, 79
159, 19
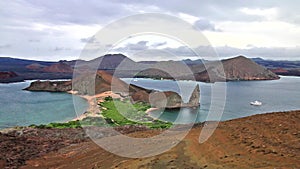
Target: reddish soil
261, 141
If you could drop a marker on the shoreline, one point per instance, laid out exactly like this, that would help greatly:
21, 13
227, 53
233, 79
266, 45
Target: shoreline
93, 109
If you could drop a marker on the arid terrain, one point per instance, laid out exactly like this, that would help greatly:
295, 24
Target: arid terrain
261, 141
237, 68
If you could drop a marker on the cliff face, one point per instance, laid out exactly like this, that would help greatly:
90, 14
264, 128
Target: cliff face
195, 97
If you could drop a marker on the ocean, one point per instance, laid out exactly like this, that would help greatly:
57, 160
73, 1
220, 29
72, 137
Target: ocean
22, 108
234, 102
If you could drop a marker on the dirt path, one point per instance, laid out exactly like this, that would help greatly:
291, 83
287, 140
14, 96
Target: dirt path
260, 141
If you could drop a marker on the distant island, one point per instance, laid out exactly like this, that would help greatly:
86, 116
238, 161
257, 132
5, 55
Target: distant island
237, 68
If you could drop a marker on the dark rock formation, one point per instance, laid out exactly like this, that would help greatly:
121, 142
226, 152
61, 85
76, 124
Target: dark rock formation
167, 99
195, 97
55, 86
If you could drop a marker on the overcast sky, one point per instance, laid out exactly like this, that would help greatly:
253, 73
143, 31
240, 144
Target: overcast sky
59, 29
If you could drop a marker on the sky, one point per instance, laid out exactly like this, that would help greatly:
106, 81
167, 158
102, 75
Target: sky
60, 29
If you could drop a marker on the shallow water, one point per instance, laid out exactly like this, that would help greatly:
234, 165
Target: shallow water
21, 108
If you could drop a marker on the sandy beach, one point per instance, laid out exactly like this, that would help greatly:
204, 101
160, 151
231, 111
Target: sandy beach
93, 101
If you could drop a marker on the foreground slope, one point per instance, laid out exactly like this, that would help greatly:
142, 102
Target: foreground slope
260, 141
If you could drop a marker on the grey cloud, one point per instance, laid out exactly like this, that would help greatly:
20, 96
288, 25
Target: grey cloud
101, 11
203, 24
180, 51
208, 52
77, 12
278, 53
91, 39
61, 49
155, 45
141, 45
5, 46
17, 17
132, 47
34, 40
217, 10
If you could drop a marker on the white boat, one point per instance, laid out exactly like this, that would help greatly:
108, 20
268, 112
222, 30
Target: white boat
135, 79
256, 103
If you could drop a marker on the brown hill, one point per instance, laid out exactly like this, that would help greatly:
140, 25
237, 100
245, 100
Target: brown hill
104, 81
7, 75
58, 68
238, 68
35, 66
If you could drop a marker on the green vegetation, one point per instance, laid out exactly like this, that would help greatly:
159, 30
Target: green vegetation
118, 113
88, 121
115, 113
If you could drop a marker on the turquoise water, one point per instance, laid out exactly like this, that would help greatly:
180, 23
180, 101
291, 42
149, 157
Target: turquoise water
276, 95
21, 108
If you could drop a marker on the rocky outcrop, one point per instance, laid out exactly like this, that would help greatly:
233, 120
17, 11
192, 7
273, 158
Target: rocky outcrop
194, 100
167, 99
50, 86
